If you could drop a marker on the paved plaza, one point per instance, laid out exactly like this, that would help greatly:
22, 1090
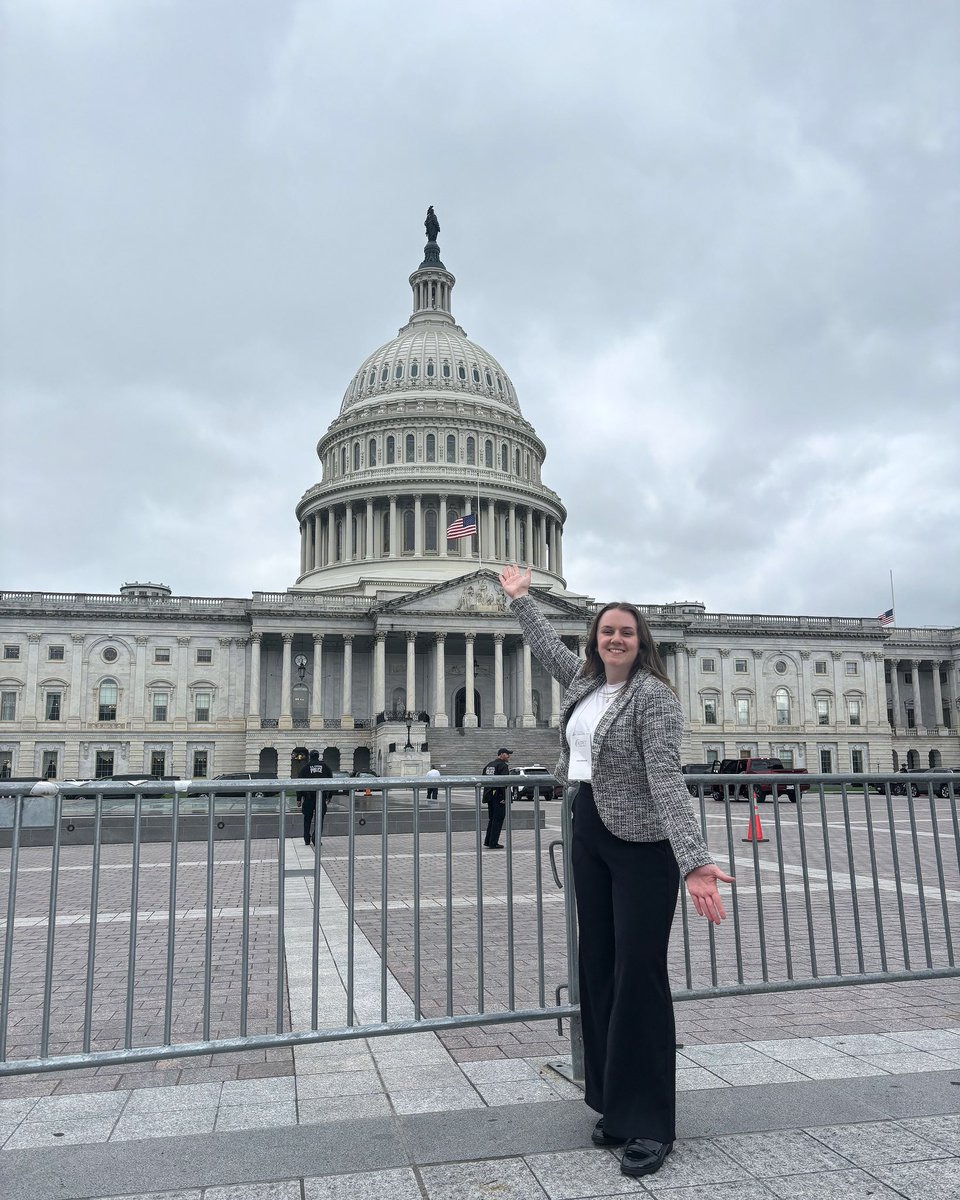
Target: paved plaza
834, 1092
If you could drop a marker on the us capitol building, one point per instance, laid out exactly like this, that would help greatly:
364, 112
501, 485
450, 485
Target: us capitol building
394, 647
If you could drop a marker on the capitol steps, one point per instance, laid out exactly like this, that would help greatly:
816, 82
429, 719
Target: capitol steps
468, 752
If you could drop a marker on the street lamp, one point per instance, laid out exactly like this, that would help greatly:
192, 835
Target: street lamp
408, 719
300, 662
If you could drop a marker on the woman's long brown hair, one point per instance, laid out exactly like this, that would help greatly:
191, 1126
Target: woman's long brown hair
648, 657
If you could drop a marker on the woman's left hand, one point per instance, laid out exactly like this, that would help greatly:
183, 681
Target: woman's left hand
702, 886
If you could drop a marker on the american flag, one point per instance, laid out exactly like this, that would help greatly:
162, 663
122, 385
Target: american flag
462, 527
886, 618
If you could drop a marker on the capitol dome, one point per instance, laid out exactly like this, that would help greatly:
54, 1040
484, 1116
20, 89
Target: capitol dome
429, 433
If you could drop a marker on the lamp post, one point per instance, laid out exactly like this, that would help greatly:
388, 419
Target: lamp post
300, 662
408, 719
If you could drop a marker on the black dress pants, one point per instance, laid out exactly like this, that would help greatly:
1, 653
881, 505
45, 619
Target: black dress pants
497, 810
626, 897
309, 803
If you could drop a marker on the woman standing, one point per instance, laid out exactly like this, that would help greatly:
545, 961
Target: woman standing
634, 836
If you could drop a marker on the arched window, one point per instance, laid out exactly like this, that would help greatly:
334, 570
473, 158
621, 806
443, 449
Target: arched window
355, 534
488, 453
409, 537
526, 466
472, 451
710, 709
454, 545
386, 533
372, 452
339, 557
356, 456
430, 531
414, 370
398, 371
107, 700
385, 374
446, 370
516, 461
410, 444
504, 458
476, 375
461, 371
373, 379
505, 526
781, 700
489, 378
391, 449
343, 460
431, 369
451, 448
431, 448
499, 384
522, 541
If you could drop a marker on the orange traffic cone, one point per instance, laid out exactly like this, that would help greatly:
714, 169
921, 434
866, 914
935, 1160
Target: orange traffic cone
755, 830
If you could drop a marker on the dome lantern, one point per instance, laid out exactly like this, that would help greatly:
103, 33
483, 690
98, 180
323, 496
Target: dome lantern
431, 282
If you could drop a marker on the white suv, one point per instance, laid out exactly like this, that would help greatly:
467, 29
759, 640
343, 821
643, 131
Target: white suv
549, 791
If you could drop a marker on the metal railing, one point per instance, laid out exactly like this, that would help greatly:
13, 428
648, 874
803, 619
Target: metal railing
129, 949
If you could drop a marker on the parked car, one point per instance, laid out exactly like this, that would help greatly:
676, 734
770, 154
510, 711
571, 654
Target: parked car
252, 775
526, 791
697, 769
761, 791
914, 781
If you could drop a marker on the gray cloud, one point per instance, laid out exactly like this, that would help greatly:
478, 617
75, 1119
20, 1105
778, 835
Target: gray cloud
714, 245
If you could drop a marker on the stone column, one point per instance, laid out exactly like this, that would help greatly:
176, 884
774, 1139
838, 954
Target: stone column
805, 706
349, 549
393, 527
581, 645
254, 710
490, 542
680, 676
418, 525
346, 706
368, 547
876, 692
286, 675
895, 694
180, 701
937, 696
499, 716
412, 672
76, 676
527, 720
692, 706
512, 526
727, 707
379, 672
554, 703
529, 538
917, 707
442, 531
469, 712
331, 536
304, 534
140, 678
30, 686
440, 718
316, 700
559, 548
317, 540
471, 549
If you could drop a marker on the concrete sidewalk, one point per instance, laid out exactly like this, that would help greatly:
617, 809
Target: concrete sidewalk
396, 1117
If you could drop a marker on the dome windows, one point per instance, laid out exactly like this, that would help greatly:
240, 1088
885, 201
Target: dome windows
385, 374
373, 379
410, 448
431, 369
391, 449
356, 456
446, 370
499, 384
504, 458
431, 447
451, 448
372, 453
461, 372
430, 525
398, 371
476, 374
472, 451
489, 378
414, 370
488, 453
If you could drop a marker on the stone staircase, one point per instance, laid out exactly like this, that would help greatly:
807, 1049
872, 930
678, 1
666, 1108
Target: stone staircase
467, 751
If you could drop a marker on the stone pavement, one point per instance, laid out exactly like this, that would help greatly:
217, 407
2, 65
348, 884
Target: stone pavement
865, 1103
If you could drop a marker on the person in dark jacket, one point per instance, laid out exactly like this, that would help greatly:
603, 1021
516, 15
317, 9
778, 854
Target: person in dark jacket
635, 837
316, 768
496, 798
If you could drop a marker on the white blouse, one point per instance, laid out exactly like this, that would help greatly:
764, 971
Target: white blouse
583, 725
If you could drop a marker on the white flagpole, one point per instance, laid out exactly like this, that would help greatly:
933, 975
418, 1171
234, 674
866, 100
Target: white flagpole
893, 602
479, 535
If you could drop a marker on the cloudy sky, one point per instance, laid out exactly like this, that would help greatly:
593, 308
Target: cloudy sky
715, 245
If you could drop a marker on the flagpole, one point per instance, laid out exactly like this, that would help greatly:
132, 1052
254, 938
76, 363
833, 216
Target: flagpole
479, 534
893, 602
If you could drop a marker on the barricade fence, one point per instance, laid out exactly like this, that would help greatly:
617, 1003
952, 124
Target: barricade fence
126, 950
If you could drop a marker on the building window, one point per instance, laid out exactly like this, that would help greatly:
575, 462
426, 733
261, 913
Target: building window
8, 706
504, 457
489, 379
472, 451
740, 666
708, 666
712, 756
103, 767
488, 453
339, 542
48, 764
53, 706
384, 374
107, 704
11, 653
430, 530
204, 655
516, 461
391, 449
356, 456
823, 712
461, 371
826, 762
851, 668
398, 371
200, 760
431, 369
709, 711
158, 762
386, 533
410, 444
476, 375
300, 702
786, 757
409, 531
820, 667
160, 700
55, 653
780, 667
371, 457
451, 448
161, 654
781, 699
109, 654
446, 370
856, 761
414, 370
911, 719
947, 723
201, 706
853, 712
6, 764
743, 710
343, 460
431, 448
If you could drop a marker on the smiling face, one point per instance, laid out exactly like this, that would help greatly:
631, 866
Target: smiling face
618, 643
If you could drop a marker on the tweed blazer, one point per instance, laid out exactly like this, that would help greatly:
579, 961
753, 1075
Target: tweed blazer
637, 784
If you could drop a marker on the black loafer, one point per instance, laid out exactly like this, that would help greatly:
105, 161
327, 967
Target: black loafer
600, 1137
643, 1156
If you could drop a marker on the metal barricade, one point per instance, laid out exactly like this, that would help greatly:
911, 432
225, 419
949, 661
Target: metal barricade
132, 947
